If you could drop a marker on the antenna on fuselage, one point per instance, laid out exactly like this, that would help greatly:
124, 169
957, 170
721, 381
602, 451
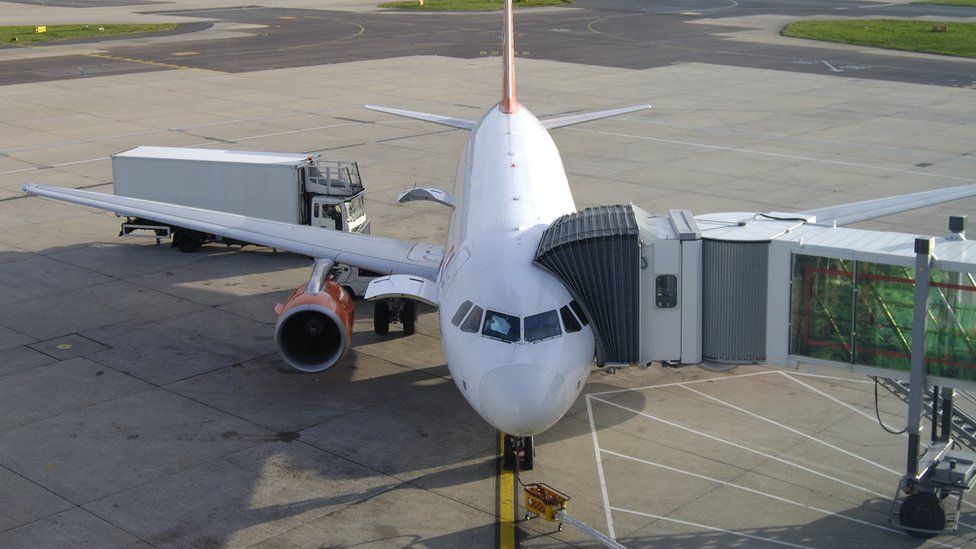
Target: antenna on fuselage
509, 103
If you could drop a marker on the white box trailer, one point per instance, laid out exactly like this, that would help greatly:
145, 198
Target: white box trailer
291, 188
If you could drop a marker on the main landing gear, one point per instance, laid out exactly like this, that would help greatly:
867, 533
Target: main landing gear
386, 311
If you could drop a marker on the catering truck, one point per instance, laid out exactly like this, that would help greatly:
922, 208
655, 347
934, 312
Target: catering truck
291, 188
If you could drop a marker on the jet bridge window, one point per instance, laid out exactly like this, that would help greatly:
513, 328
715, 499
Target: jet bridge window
459, 315
473, 322
666, 291
569, 320
501, 326
542, 326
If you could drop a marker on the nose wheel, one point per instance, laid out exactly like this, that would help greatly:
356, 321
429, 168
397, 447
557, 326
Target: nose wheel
518, 453
386, 311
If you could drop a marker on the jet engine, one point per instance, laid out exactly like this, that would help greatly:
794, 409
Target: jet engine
314, 328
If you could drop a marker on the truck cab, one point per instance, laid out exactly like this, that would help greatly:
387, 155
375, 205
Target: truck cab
336, 196
340, 214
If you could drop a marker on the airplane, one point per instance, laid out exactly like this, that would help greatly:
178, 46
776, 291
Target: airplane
518, 345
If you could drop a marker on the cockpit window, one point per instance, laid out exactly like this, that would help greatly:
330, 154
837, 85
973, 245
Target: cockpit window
542, 326
569, 320
501, 326
473, 322
579, 312
462, 310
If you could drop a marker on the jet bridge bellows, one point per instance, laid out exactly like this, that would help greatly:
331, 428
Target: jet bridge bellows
595, 252
635, 275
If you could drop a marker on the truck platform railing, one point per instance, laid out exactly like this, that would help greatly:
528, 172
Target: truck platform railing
334, 178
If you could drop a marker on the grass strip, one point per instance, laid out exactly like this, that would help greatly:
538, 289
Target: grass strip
959, 39
26, 34
971, 3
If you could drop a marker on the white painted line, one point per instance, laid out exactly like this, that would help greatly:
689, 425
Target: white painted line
599, 470
835, 399
875, 6
821, 376
757, 492
201, 144
712, 528
831, 67
678, 383
796, 431
776, 155
747, 449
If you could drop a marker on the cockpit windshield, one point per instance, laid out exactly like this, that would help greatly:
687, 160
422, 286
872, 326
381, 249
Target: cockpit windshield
502, 326
542, 326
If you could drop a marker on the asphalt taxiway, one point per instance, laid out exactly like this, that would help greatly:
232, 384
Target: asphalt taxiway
142, 402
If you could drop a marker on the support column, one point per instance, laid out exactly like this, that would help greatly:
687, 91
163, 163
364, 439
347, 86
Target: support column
923, 258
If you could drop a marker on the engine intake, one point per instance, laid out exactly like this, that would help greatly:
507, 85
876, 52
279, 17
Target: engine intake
314, 328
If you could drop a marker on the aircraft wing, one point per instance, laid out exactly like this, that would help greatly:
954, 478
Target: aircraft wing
384, 255
846, 214
570, 119
460, 123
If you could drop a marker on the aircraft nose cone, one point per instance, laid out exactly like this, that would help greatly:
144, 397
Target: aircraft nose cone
522, 399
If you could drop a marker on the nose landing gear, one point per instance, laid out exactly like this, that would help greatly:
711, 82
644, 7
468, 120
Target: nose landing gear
518, 453
399, 310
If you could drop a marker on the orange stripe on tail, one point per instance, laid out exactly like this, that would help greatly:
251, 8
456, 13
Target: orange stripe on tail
509, 103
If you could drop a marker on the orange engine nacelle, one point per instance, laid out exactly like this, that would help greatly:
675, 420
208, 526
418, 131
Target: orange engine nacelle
314, 330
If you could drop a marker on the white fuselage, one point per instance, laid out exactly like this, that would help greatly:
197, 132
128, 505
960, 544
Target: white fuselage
510, 187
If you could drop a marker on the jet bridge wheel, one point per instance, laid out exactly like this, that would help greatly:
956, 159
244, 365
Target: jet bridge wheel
381, 317
924, 511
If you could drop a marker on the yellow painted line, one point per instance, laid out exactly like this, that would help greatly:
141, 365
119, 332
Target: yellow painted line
184, 53
506, 501
140, 61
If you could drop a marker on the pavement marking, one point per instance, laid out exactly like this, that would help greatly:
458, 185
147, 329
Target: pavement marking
795, 431
599, 470
712, 528
506, 501
676, 383
833, 398
748, 449
184, 53
776, 155
211, 142
758, 492
139, 61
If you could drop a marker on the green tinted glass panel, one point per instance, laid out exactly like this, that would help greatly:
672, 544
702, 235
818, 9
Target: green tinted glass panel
883, 323
862, 313
822, 308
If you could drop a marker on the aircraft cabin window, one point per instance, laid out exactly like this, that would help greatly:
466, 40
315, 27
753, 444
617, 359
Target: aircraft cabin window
462, 310
473, 322
569, 320
542, 326
666, 292
501, 326
579, 312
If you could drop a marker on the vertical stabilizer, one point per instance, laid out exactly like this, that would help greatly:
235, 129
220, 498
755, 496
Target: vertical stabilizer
509, 103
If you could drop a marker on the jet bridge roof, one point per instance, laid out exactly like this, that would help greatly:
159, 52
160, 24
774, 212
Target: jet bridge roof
952, 253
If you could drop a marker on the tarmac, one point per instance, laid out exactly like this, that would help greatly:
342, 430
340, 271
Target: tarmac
142, 402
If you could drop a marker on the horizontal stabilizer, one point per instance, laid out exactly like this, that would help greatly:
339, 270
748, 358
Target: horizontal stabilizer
846, 214
570, 119
460, 123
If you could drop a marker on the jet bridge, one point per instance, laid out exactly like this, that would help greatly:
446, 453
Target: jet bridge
782, 289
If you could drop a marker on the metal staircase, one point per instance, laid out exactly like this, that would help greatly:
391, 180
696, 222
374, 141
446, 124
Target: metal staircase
963, 421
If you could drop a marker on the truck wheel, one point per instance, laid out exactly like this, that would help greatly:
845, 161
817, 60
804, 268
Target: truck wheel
408, 316
186, 240
381, 317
